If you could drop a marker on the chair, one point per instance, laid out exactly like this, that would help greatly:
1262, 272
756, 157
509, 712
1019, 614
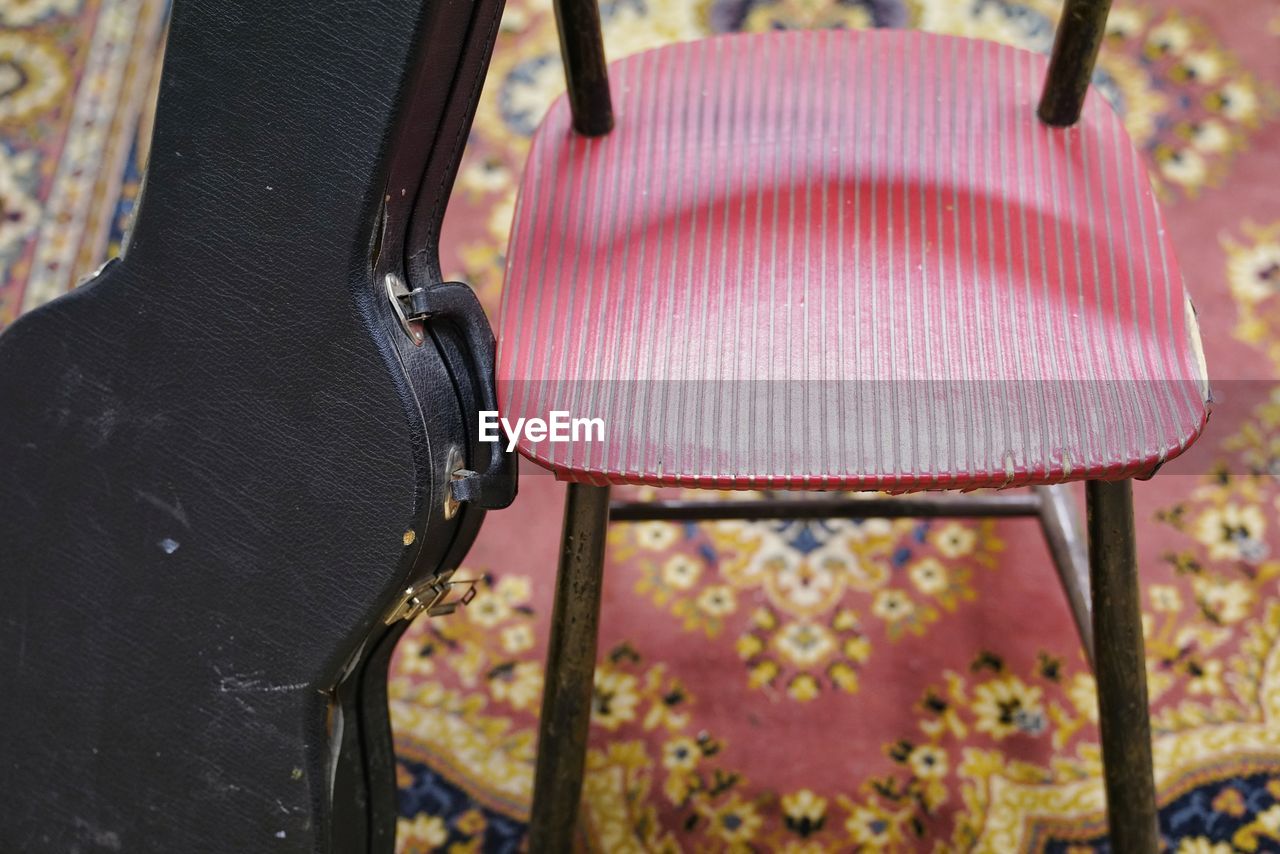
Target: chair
848, 261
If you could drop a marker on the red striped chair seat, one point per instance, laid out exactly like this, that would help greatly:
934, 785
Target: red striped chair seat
845, 260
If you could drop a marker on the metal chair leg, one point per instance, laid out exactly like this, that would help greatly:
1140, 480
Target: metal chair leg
1064, 531
570, 672
1121, 670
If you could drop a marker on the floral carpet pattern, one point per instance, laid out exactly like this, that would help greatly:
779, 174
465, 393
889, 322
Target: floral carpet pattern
818, 686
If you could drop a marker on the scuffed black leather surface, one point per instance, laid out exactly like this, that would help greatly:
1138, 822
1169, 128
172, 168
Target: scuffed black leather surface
210, 454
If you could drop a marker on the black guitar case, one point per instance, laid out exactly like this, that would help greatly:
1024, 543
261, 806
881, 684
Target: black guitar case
234, 461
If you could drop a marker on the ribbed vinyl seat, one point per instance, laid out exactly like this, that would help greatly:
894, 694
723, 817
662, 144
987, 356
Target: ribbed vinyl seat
845, 259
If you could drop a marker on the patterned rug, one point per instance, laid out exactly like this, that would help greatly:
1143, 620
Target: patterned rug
803, 687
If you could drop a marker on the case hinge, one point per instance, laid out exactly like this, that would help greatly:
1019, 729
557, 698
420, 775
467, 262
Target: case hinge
436, 598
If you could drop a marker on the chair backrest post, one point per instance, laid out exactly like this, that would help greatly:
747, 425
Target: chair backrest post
582, 47
1075, 50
